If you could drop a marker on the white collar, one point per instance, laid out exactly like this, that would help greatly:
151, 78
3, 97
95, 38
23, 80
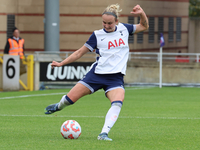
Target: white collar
17, 39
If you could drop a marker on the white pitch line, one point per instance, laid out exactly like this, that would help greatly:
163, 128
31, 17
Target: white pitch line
140, 88
22, 96
124, 117
32, 95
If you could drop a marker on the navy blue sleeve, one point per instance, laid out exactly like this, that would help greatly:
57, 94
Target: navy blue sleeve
130, 28
91, 44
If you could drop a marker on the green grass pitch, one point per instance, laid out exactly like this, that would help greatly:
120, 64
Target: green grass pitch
151, 119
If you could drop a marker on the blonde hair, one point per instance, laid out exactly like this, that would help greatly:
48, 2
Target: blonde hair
113, 9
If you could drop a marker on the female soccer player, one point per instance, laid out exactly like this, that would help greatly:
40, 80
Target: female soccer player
111, 43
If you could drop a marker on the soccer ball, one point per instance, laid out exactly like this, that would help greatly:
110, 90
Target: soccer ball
70, 129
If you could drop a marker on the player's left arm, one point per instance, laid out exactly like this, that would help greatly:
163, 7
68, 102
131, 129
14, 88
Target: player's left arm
144, 23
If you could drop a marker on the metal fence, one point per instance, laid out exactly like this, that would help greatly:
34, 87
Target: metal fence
153, 56
178, 57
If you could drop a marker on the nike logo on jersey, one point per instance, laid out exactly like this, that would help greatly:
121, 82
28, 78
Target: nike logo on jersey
102, 39
115, 43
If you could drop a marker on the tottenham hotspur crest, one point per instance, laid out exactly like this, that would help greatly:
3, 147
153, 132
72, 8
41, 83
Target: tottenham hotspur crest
121, 33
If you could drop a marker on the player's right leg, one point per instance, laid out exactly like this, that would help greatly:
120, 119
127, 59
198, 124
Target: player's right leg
78, 91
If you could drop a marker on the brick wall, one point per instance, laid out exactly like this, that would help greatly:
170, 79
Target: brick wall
78, 19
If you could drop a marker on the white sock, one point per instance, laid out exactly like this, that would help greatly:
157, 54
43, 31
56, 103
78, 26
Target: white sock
65, 101
111, 116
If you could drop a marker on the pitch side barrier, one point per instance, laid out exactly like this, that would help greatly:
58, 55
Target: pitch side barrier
71, 73
11, 66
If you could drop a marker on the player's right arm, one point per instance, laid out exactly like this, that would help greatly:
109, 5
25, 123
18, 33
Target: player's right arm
73, 57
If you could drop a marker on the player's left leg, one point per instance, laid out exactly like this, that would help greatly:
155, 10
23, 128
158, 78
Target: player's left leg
78, 91
116, 97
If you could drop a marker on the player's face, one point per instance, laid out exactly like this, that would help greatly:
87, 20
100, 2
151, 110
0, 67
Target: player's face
109, 22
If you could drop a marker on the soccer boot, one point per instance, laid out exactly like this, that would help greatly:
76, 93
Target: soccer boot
104, 136
51, 109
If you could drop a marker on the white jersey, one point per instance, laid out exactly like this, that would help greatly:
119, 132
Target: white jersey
112, 48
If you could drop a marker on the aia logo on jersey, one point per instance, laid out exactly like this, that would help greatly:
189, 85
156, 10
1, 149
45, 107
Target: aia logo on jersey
115, 43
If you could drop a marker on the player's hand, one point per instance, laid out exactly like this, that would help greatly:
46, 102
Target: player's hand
55, 64
137, 10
